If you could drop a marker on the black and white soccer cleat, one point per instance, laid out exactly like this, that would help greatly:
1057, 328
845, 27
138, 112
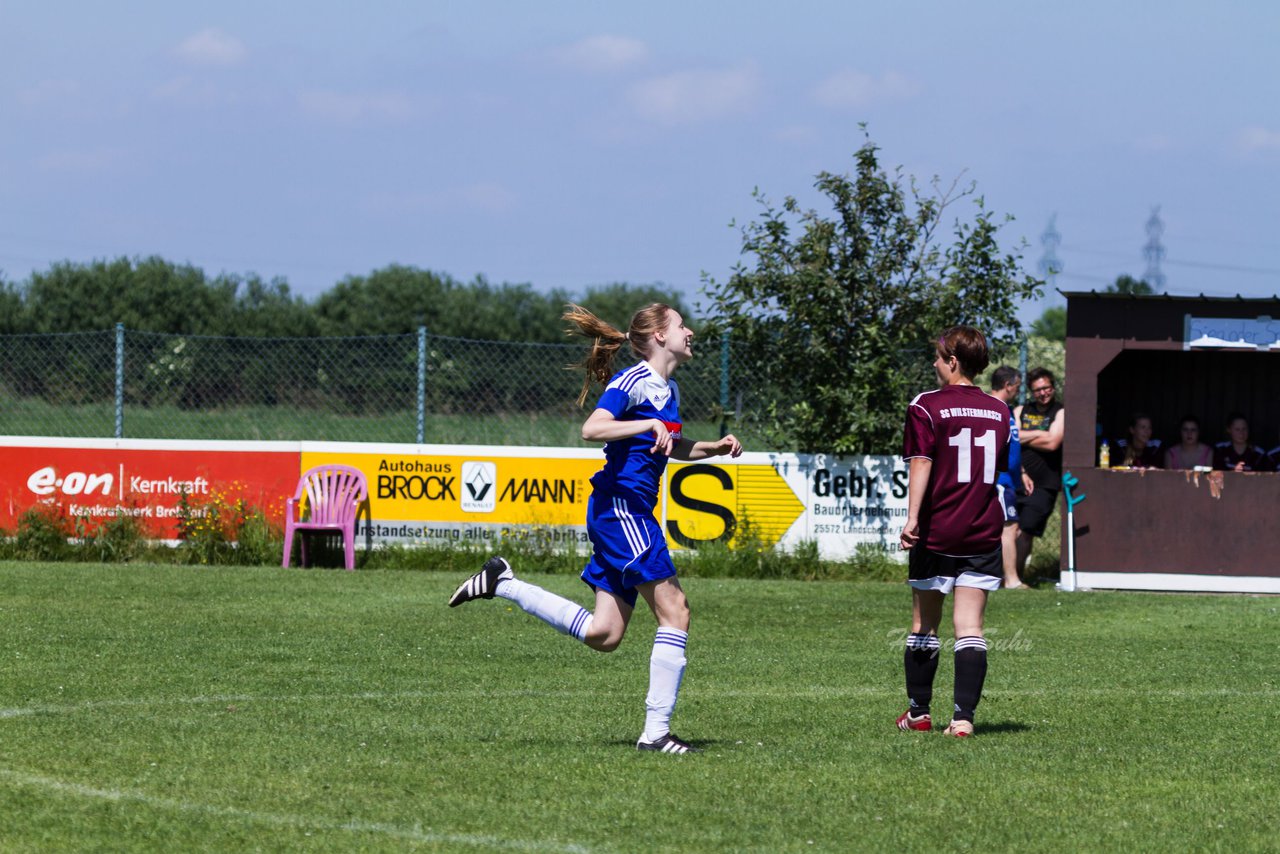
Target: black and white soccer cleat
669, 743
483, 583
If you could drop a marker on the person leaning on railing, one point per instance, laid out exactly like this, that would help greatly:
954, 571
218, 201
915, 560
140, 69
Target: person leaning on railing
1139, 450
1237, 453
1190, 452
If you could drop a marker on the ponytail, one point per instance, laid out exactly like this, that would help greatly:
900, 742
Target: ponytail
606, 340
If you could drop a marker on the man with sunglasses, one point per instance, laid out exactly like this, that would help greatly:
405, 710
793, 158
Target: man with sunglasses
1040, 430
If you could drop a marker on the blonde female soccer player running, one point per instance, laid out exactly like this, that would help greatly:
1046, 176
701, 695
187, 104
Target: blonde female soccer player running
956, 442
638, 420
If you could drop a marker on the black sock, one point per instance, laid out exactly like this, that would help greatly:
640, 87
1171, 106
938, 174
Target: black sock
921, 664
971, 672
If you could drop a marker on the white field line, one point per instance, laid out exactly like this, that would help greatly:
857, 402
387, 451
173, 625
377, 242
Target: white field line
417, 833
300, 822
92, 705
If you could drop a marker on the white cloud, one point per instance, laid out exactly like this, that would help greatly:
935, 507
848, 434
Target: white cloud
353, 107
687, 97
1259, 139
602, 53
212, 47
850, 88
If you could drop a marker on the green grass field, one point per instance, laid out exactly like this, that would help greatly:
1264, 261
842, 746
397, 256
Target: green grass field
147, 708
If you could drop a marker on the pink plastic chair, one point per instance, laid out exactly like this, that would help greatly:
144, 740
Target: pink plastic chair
333, 497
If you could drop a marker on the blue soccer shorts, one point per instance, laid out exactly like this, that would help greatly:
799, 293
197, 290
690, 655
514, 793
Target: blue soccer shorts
628, 547
1008, 503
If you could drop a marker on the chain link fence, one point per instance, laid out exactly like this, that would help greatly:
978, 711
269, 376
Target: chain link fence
414, 388
396, 388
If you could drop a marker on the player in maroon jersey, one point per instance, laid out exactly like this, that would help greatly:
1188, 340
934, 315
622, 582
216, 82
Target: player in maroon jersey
1139, 450
1237, 453
956, 442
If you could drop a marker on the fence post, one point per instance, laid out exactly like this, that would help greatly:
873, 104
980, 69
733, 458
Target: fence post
724, 383
119, 380
1022, 368
422, 384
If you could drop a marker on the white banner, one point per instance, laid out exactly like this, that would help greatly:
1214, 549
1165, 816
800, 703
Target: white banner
848, 501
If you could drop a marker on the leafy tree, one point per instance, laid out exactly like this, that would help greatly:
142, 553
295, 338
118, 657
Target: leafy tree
1126, 284
504, 312
398, 299
155, 295
1051, 324
838, 313
12, 309
269, 310
393, 300
149, 294
617, 302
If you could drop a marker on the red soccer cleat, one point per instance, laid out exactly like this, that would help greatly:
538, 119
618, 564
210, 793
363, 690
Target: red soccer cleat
909, 722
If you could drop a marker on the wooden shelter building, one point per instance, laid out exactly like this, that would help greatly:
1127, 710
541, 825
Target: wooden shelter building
1166, 357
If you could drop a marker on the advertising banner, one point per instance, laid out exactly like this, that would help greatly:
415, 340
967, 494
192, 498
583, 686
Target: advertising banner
94, 479
433, 493
850, 501
425, 494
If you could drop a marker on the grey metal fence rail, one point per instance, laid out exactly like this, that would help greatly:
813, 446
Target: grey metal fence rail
394, 388
409, 388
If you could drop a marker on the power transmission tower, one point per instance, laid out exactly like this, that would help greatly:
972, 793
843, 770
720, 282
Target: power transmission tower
1154, 251
1050, 265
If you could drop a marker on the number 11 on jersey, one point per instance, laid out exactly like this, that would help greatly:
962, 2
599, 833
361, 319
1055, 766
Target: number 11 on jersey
964, 443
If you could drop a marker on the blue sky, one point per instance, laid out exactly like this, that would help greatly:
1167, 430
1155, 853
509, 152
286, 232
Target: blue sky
569, 144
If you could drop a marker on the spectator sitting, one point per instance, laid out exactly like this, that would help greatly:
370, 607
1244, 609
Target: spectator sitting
1236, 454
1190, 452
1139, 451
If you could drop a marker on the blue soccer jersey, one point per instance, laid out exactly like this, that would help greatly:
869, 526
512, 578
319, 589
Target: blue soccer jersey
630, 469
1012, 479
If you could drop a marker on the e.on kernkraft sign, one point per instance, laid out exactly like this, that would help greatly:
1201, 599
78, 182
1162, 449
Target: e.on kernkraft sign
94, 479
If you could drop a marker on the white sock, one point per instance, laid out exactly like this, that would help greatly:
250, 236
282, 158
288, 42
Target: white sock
564, 616
666, 669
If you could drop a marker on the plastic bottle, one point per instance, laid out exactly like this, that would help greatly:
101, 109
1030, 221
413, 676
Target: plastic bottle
1104, 455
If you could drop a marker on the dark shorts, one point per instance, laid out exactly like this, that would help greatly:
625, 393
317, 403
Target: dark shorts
1035, 509
928, 570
